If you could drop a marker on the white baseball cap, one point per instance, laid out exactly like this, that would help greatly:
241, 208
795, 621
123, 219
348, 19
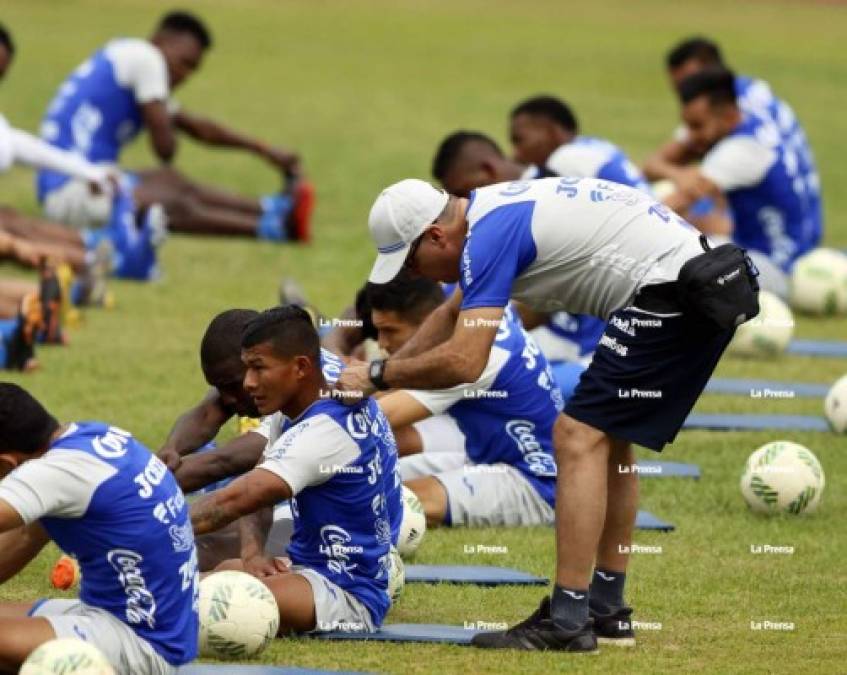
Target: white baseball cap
401, 214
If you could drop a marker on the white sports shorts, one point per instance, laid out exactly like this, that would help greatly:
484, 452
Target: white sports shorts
74, 204
335, 608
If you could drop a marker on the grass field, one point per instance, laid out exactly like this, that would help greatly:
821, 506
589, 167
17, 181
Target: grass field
365, 90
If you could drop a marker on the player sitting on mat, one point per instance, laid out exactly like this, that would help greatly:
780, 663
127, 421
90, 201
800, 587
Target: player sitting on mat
504, 472
124, 87
327, 461
104, 499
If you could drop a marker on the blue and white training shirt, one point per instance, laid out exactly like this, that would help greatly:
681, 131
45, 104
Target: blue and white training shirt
580, 245
507, 415
109, 502
97, 109
331, 457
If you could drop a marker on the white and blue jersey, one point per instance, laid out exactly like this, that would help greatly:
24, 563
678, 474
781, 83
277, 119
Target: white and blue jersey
106, 500
573, 337
331, 457
271, 429
772, 190
507, 415
97, 110
580, 245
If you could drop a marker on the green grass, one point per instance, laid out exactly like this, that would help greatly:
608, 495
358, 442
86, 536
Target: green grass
365, 91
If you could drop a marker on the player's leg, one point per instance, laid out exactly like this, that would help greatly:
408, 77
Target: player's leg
165, 183
433, 498
20, 635
38, 229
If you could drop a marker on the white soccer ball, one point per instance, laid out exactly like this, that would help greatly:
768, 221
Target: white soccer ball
413, 527
396, 575
835, 406
783, 477
768, 333
66, 656
819, 282
238, 616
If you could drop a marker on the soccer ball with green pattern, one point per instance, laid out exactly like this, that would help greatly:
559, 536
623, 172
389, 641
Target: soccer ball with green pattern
396, 575
767, 334
819, 282
66, 656
783, 477
835, 406
413, 526
238, 616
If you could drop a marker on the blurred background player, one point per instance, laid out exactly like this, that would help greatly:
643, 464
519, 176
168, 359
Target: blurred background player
126, 86
773, 199
326, 459
104, 499
485, 450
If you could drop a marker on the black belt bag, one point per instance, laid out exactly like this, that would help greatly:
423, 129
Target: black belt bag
720, 285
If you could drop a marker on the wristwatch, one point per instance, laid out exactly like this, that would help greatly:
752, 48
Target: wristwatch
376, 372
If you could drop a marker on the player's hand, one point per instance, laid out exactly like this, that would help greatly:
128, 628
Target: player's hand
260, 566
354, 384
286, 161
693, 183
171, 458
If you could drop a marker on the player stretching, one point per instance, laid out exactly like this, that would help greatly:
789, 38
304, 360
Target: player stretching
104, 499
326, 458
580, 245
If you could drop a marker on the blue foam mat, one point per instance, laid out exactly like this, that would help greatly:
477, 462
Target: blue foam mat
481, 575
755, 422
235, 669
408, 632
645, 520
827, 348
653, 469
761, 388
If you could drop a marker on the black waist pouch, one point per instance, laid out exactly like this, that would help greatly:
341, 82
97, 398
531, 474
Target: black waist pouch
720, 285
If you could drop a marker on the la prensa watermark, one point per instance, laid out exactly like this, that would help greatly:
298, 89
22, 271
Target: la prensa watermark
631, 549
760, 549
340, 394
336, 322
484, 549
767, 624
485, 625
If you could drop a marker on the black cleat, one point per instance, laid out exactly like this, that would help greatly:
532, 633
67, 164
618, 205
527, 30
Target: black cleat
615, 628
539, 633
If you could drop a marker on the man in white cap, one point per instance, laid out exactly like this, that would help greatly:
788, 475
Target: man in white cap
578, 245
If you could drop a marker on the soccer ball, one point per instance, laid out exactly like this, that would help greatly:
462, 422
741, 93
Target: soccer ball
835, 406
766, 334
819, 282
396, 575
66, 656
413, 527
238, 616
783, 477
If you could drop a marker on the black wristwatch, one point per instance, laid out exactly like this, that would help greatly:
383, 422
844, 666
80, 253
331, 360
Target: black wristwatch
376, 373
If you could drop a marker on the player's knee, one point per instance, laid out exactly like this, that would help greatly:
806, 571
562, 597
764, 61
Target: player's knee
574, 440
433, 498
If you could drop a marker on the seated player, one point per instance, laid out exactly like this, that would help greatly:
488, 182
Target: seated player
124, 87
104, 499
21, 321
504, 473
32, 241
776, 212
327, 461
466, 160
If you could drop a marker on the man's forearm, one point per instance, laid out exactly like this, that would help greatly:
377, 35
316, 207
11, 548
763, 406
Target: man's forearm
218, 509
435, 330
195, 428
439, 368
19, 547
231, 459
213, 133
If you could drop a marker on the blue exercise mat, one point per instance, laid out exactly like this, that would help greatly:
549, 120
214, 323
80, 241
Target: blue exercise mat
645, 520
653, 469
830, 348
767, 389
481, 575
235, 669
408, 632
755, 422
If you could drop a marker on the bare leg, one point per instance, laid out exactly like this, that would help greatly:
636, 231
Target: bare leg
433, 498
163, 185
19, 637
37, 229
31, 247
621, 509
582, 454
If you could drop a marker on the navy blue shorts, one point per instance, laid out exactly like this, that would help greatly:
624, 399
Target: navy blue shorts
646, 375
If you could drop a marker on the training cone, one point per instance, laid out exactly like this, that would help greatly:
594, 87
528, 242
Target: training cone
65, 573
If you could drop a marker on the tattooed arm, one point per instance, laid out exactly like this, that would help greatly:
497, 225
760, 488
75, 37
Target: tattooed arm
255, 489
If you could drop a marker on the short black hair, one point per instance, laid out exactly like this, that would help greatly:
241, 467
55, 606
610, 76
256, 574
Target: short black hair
6, 40
412, 297
362, 307
288, 328
716, 83
451, 147
184, 22
222, 340
554, 109
25, 425
698, 47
